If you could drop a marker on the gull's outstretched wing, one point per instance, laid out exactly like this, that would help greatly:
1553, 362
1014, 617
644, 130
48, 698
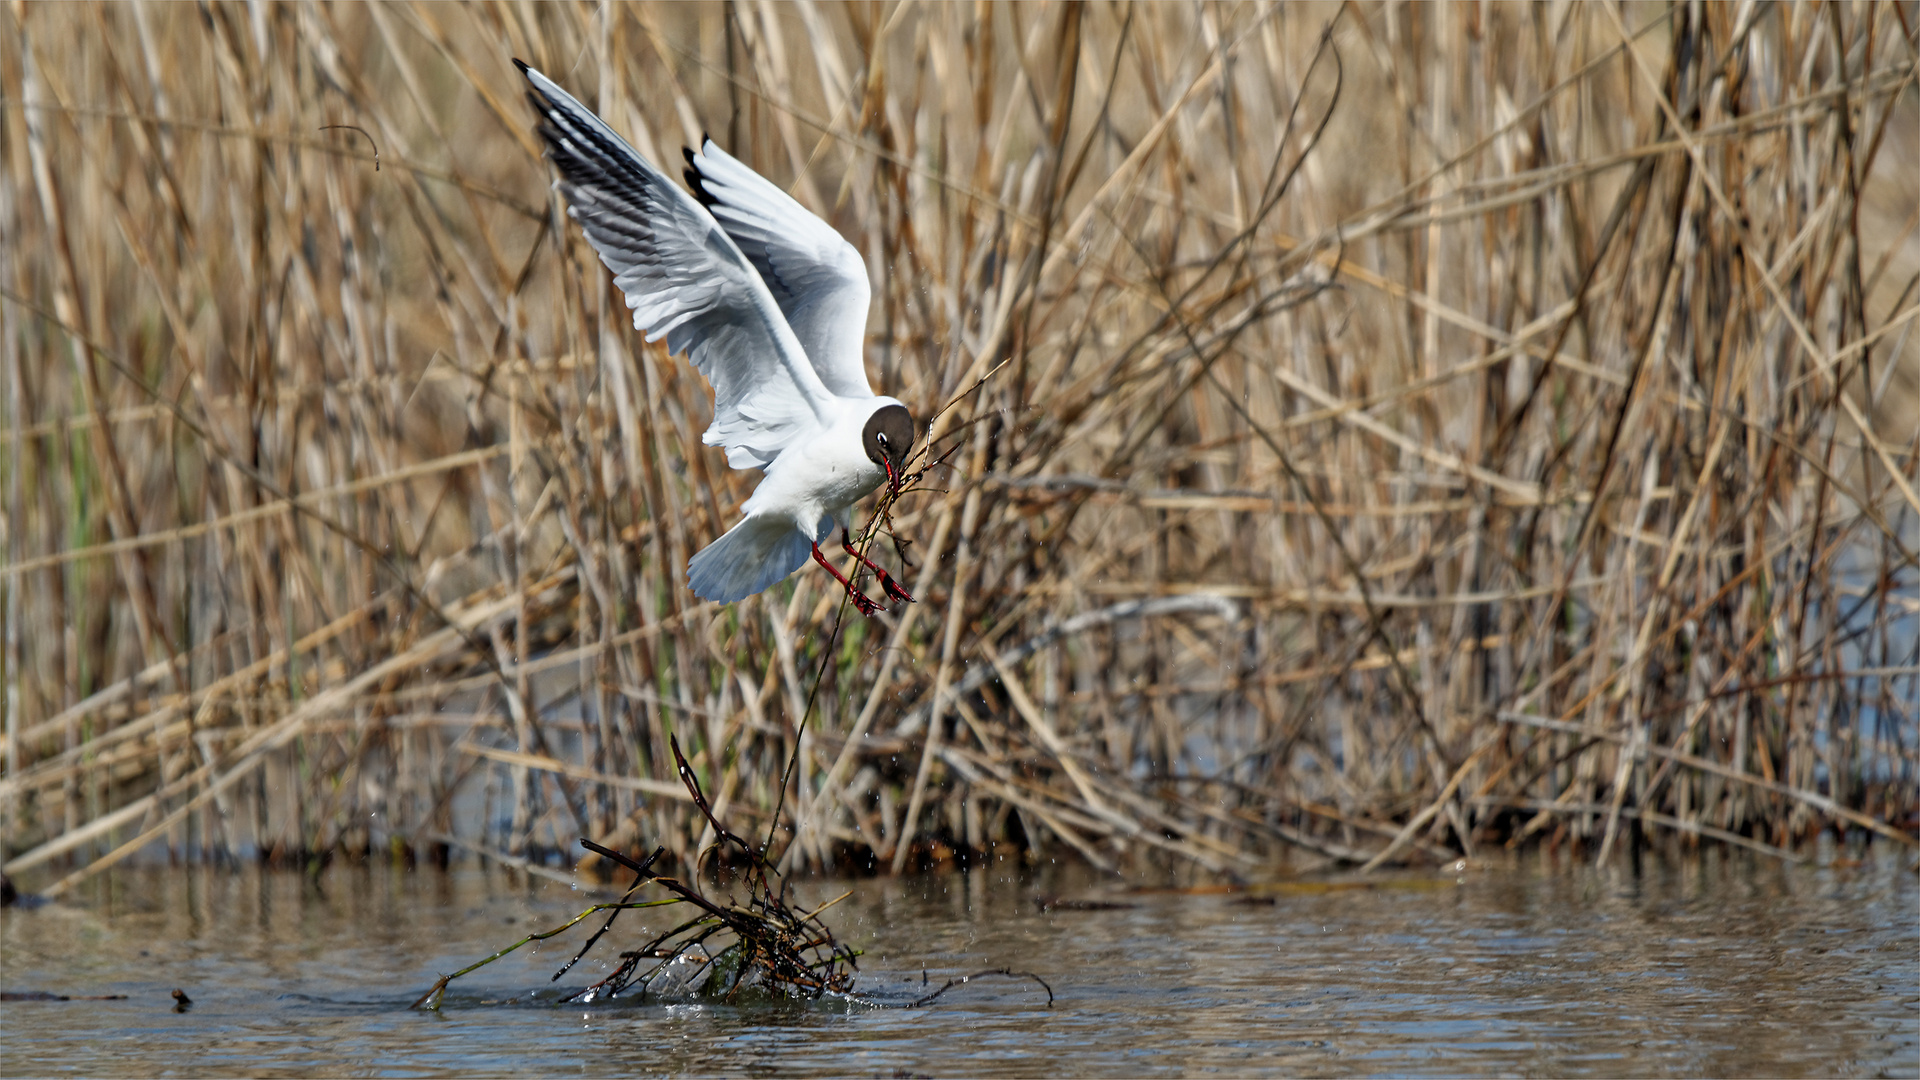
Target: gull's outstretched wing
815, 275
685, 280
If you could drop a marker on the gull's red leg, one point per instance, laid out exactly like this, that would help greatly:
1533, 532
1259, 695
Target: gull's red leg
860, 600
892, 587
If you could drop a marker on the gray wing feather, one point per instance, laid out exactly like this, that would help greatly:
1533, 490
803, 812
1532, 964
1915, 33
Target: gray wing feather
685, 280
817, 278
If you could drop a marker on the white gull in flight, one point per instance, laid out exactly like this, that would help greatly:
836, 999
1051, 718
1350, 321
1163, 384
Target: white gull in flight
770, 304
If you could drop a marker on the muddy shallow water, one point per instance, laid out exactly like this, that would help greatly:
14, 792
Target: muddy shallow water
1724, 965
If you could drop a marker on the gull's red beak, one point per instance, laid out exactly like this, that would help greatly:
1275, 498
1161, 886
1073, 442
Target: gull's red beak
893, 478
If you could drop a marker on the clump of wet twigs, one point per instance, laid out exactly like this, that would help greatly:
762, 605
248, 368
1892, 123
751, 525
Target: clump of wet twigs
1415, 431
730, 950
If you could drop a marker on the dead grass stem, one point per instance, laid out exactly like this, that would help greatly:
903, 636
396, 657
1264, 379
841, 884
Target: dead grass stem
1358, 434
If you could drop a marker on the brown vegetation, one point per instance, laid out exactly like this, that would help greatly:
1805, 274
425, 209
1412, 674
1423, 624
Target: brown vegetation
1410, 429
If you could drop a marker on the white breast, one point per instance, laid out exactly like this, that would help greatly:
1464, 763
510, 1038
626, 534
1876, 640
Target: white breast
821, 477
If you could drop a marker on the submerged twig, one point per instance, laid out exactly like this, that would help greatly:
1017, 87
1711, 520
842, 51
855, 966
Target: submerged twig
962, 980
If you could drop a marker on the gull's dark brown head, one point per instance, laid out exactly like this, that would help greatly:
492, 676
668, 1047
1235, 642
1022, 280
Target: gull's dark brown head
888, 438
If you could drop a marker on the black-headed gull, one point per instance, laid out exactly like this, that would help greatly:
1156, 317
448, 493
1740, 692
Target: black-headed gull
770, 304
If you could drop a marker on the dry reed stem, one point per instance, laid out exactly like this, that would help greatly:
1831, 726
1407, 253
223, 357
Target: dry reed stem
1527, 450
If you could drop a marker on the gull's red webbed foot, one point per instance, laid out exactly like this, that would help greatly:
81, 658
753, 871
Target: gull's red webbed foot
860, 599
893, 588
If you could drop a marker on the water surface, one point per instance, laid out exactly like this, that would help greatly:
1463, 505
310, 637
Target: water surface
1724, 965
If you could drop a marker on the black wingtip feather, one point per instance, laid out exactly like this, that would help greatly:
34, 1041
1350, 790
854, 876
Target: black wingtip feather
521, 64
695, 182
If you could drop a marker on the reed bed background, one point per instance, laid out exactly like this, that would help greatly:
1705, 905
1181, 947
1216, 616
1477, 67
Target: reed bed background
1404, 430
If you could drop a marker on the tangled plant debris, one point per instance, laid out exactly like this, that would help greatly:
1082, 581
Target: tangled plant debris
762, 948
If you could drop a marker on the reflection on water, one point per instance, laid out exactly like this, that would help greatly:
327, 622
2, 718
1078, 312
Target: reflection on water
1727, 965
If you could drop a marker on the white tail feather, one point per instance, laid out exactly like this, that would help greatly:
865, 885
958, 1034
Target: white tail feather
750, 557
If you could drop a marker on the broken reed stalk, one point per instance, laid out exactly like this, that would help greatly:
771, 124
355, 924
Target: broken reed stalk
769, 955
1524, 453
774, 950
